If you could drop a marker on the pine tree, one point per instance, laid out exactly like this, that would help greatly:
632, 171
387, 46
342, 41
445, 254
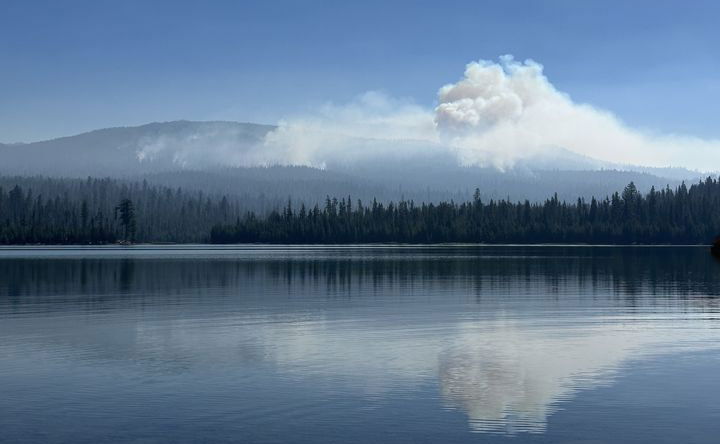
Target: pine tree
126, 211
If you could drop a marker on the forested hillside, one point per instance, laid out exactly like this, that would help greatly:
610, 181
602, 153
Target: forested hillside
65, 211
237, 160
681, 216
386, 183
73, 211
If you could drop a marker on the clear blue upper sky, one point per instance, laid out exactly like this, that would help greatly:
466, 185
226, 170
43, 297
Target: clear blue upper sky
71, 66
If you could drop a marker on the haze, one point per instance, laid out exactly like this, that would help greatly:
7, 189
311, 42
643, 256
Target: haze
380, 70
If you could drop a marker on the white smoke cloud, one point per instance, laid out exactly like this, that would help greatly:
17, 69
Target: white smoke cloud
501, 112
206, 146
371, 127
361, 130
497, 114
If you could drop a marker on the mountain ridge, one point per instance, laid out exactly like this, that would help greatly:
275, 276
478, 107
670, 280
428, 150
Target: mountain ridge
219, 156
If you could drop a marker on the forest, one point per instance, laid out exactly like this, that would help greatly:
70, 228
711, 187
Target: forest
41, 210
669, 216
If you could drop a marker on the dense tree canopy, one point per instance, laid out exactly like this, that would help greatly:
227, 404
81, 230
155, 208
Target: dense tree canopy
97, 211
65, 211
680, 216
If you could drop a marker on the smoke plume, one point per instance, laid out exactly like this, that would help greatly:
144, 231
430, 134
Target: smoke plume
501, 112
497, 114
369, 128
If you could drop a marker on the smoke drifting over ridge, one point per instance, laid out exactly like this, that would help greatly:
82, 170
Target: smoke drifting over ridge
496, 114
359, 131
500, 112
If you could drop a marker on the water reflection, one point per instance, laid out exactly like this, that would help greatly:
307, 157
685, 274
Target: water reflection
506, 335
509, 378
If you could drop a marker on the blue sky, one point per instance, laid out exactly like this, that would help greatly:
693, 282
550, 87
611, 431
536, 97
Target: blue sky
73, 66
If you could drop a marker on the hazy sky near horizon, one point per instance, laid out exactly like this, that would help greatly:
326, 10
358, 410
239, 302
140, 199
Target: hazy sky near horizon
73, 66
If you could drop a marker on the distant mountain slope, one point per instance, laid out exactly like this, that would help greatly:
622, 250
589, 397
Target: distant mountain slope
125, 150
310, 185
221, 157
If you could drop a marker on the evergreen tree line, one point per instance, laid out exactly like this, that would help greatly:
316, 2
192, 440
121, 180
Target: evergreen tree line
669, 216
97, 211
68, 211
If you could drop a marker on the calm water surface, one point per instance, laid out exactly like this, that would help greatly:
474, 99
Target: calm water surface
359, 344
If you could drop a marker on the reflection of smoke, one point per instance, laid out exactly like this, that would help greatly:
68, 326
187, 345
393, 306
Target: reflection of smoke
403, 323
509, 378
508, 375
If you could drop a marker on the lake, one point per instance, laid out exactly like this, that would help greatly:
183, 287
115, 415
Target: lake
359, 344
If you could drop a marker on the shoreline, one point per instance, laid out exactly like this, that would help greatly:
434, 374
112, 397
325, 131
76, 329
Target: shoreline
169, 246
